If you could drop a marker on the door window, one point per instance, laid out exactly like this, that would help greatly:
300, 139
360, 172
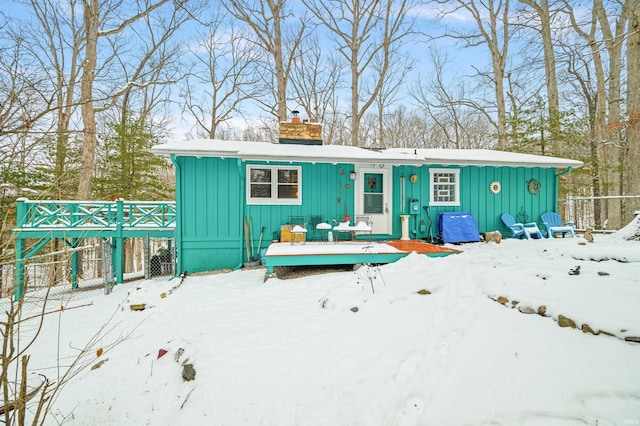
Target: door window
373, 193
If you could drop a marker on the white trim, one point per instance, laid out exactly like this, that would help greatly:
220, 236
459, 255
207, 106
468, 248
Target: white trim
274, 185
265, 151
444, 192
484, 157
381, 223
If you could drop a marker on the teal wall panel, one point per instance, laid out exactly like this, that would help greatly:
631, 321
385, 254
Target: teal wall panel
476, 198
210, 214
211, 208
324, 193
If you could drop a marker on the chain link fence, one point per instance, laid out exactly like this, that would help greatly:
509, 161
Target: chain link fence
52, 272
581, 210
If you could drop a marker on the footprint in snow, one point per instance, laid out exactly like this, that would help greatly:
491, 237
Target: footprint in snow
407, 368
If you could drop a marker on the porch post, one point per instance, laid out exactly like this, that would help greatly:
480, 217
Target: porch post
18, 286
74, 263
117, 247
178, 226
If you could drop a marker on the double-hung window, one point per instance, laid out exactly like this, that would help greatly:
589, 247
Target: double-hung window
445, 187
274, 184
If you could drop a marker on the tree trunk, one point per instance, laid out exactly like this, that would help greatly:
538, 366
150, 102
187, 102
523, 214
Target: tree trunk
91, 15
610, 153
553, 102
550, 73
632, 153
499, 59
355, 99
265, 19
281, 76
381, 131
597, 105
492, 23
355, 25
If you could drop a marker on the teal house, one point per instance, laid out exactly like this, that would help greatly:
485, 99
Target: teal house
230, 192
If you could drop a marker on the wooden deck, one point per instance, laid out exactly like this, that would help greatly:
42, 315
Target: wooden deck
421, 247
348, 253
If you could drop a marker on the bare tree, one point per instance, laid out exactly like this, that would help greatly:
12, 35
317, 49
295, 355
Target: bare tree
444, 100
406, 128
614, 43
25, 98
57, 42
492, 21
143, 83
316, 79
604, 36
632, 157
614, 31
266, 19
222, 77
393, 81
93, 18
595, 100
364, 31
542, 24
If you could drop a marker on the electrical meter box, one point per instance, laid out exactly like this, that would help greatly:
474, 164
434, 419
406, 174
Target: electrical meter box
414, 206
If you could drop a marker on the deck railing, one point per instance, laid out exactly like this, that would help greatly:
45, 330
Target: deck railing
34, 214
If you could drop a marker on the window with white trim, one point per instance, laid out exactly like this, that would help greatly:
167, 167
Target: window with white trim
445, 187
274, 184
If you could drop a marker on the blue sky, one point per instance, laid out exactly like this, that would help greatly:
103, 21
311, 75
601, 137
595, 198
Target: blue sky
462, 59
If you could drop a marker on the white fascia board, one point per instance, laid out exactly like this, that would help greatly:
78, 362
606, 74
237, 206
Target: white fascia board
265, 151
335, 160
486, 157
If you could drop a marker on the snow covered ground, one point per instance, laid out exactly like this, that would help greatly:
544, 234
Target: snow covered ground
294, 352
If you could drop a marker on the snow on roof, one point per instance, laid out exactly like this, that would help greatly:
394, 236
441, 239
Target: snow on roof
486, 157
348, 154
281, 152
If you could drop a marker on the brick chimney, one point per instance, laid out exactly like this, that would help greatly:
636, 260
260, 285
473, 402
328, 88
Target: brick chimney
305, 132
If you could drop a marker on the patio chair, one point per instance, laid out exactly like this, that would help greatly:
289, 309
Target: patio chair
527, 230
341, 228
314, 221
364, 225
325, 231
298, 229
553, 222
297, 220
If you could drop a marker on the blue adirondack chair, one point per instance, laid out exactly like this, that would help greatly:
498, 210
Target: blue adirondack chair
553, 222
518, 230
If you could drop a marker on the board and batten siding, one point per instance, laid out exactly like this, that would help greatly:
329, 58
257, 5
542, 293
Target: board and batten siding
324, 193
212, 208
210, 214
476, 198
212, 204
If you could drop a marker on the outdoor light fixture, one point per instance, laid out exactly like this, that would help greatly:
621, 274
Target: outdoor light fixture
352, 175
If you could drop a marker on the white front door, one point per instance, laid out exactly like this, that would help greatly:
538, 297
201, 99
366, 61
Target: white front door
373, 196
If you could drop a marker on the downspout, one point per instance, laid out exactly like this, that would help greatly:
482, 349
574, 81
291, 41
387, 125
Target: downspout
564, 173
557, 183
178, 228
243, 192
